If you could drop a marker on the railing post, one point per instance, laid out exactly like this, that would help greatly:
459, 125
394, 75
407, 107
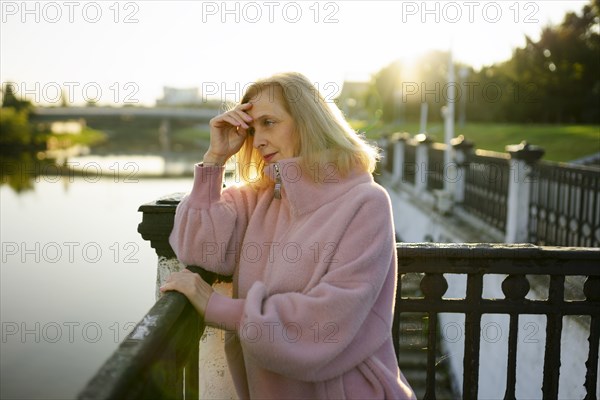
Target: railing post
399, 140
210, 370
462, 148
422, 161
156, 226
522, 159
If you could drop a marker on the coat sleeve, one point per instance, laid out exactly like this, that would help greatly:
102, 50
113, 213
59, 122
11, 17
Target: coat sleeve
343, 319
210, 222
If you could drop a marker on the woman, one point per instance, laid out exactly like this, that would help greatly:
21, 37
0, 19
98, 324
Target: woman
309, 240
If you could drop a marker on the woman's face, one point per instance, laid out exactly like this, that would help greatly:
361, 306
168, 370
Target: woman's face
274, 129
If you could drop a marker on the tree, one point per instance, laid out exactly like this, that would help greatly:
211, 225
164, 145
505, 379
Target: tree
386, 84
14, 127
9, 99
552, 80
557, 77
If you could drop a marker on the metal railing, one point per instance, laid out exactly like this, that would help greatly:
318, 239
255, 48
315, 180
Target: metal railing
486, 187
564, 199
519, 263
565, 205
410, 163
435, 173
389, 155
159, 359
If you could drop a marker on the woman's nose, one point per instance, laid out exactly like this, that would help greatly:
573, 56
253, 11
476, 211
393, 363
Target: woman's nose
259, 140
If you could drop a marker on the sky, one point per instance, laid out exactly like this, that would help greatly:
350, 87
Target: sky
125, 52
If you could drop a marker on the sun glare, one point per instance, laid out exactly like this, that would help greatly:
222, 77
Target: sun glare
330, 42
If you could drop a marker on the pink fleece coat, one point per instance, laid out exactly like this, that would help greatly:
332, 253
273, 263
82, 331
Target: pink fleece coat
314, 278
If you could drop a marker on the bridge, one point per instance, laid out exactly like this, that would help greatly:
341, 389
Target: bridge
497, 248
201, 114
110, 118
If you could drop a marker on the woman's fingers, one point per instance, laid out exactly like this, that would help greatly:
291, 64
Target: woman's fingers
192, 286
244, 107
236, 117
172, 282
243, 115
224, 120
228, 131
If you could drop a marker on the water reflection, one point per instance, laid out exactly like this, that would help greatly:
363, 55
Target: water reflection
20, 171
23, 170
75, 274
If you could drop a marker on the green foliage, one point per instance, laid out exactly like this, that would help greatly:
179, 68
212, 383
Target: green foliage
14, 127
9, 99
87, 137
17, 132
552, 80
18, 170
191, 135
561, 142
386, 84
558, 75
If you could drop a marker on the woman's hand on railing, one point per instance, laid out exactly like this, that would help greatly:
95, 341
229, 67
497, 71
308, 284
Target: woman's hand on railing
192, 286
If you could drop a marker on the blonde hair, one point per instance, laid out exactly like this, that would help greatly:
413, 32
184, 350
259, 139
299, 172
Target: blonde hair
324, 137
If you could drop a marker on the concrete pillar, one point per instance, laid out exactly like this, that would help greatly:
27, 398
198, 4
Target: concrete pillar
164, 135
399, 146
166, 266
422, 160
462, 149
156, 226
522, 159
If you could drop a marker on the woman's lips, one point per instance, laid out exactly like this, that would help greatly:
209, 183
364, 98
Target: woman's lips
268, 157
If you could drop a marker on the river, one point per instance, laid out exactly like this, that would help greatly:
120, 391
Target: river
75, 277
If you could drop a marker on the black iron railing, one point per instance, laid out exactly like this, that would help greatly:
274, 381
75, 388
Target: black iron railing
157, 360
409, 169
486, 187
565, 205
390, 155
519, 263
564, 199
435, 166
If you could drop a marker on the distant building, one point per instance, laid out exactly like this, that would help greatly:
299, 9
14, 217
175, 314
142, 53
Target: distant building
180, 97
67, 127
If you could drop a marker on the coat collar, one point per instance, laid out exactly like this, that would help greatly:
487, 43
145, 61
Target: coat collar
307, 189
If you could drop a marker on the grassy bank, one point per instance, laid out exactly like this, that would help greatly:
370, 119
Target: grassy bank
561, 142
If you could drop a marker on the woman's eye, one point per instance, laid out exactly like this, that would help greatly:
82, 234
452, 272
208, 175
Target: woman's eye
269, 122
251, 131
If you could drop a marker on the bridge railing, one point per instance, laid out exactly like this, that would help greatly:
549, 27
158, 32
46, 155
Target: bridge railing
159, 359
486, 187
521, 266
565, 205
519, 196
435, 160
